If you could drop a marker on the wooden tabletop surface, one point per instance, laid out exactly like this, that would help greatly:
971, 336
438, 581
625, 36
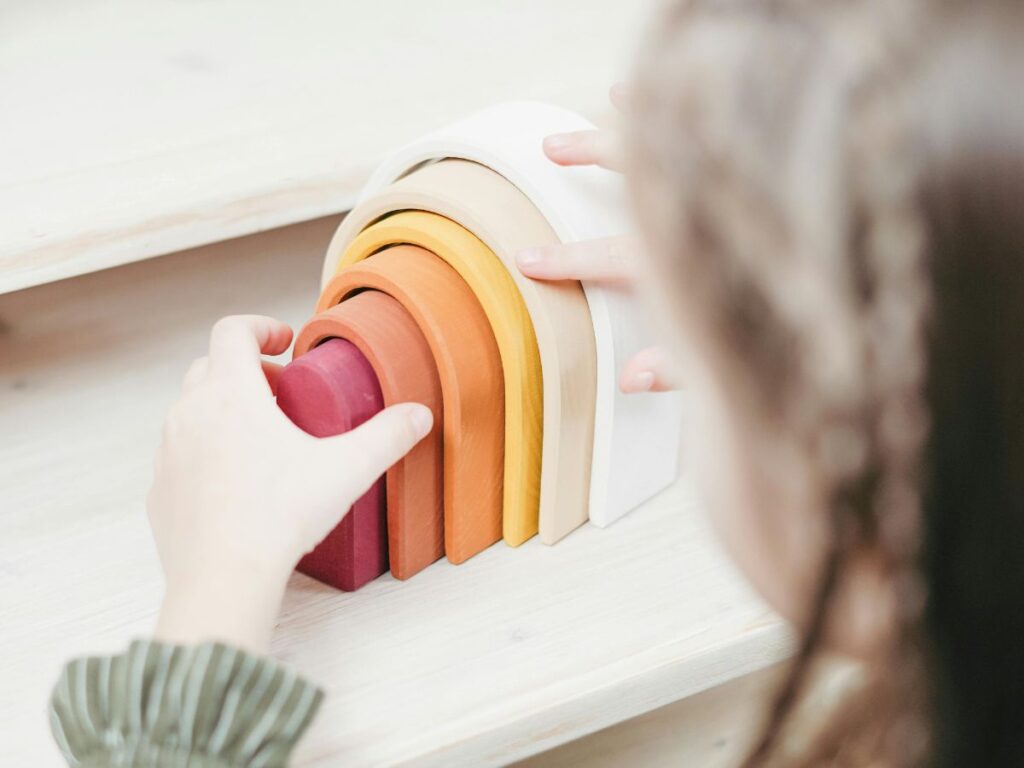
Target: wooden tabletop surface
516, 651
135, 129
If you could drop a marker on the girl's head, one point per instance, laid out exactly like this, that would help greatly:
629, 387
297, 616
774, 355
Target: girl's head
832, 195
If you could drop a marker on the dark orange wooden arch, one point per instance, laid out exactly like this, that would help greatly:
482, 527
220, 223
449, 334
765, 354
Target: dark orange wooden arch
392, 342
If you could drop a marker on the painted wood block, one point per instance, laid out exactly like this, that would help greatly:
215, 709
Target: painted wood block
469, 365
489, 206
636, 437
510, 323
328, 391
389, 338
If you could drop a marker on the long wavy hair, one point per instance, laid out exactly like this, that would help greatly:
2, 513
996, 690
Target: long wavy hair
834, 191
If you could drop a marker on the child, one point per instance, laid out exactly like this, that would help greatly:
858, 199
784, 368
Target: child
828, 197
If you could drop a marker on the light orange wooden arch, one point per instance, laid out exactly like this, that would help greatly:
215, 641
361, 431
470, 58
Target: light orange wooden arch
469, 365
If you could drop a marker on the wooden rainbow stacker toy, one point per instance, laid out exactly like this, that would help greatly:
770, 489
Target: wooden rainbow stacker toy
531, 434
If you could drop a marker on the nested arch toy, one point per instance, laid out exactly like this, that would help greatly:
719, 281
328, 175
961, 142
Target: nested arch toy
433, 241
504, 220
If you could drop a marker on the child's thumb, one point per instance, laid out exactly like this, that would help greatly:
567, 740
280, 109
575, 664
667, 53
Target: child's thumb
362, 455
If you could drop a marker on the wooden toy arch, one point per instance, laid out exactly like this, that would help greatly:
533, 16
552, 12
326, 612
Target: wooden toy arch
468, 362
504, 219
562, 443
400, 356
636, 437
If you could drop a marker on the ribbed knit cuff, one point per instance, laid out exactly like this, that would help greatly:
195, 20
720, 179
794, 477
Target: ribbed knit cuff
162, 705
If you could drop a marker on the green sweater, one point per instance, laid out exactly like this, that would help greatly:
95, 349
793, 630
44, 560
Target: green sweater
203, 706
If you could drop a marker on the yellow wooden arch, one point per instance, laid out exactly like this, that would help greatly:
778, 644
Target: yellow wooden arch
513, 330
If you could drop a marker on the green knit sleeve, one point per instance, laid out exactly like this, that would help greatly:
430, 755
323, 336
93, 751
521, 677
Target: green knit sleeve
209, 706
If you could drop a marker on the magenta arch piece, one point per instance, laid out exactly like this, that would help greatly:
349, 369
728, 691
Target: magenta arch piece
328, 391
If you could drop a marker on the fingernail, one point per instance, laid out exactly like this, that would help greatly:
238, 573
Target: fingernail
642, 381
557, 142
422, 420
619, 92
531, 257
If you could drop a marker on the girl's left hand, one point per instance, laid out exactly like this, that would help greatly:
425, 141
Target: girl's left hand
613, 261
240, 493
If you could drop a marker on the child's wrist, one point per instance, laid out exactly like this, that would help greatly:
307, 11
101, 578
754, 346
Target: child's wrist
231, 605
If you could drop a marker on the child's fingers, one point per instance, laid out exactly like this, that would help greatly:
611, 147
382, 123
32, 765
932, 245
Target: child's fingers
649, 370
585, 148
272, 372
357, 458
238, 341
611, 261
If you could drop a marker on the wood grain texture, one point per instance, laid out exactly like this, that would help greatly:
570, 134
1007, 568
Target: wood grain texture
137, 129
467, 361
487, 205
513, 330
717, 727
714, 729
401, 358
512, 653
329, 391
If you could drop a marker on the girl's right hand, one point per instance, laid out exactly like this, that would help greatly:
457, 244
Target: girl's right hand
240, 493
